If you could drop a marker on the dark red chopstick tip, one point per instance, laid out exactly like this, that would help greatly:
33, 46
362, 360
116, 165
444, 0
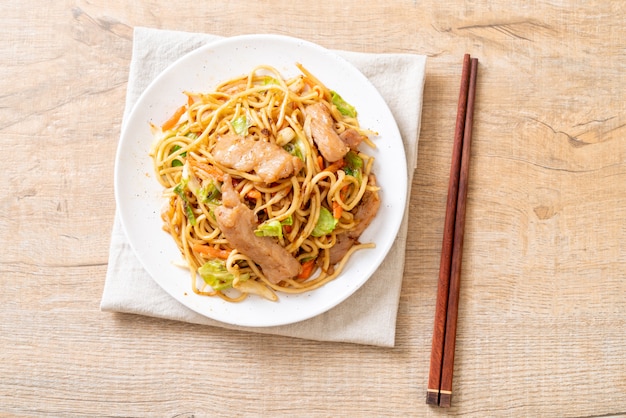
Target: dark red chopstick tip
445, 400
432, 397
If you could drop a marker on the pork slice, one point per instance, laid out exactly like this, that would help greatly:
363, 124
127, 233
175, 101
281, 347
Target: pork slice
233, 152
323, 133
269, 161
365, 212
342, 246
352, 138
238, 222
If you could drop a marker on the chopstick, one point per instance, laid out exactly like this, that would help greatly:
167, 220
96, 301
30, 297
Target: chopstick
439, 391
441, 307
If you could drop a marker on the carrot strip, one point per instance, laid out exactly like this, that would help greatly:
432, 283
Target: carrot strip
209, 169
211, 252
253, 194
171, 122
307, 270
336, 165
320, 162
337, 210
309, 82
312, 81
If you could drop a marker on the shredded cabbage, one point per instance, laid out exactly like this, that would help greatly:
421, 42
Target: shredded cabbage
344, 107
326, 223
241, 125
210, 193
215, 274
296, 148
269, 229
272, 228
176, 162
354, 165
180, 191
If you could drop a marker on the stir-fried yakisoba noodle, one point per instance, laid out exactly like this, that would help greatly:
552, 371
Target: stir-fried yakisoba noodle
267, 188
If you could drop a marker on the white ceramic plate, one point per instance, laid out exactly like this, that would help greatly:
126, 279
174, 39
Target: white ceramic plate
139, 195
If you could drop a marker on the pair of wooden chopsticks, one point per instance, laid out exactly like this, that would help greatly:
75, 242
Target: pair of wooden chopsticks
439, 390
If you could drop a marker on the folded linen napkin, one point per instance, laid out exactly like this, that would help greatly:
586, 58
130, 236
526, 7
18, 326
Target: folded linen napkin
369, 315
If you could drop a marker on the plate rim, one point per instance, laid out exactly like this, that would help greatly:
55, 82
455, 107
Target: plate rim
262, 37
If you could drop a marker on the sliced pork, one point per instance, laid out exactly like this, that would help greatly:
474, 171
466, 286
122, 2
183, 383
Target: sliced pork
238, 222
341, 247
269, 161
365, 212
352, 138
323, 133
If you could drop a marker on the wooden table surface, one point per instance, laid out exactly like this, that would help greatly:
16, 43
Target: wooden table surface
542, 320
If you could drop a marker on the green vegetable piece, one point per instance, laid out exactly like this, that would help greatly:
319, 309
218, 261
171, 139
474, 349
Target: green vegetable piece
209, 194
241, 125
215, 274
180, 191
273, 228
177, 162
354, 165
344, 107
353, 160
270, 81
296, 148
269, 229
326, 223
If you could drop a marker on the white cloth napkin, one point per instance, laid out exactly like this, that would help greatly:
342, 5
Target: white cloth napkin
369, 315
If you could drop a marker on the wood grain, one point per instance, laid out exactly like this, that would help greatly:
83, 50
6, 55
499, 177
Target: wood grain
543, 301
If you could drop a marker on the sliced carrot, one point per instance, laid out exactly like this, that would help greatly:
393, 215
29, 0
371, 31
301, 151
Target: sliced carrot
253, 194
207, 168
309, 82
171, 122
320, 162
211, 252
307, 270
337, 210
313, 82
336, 165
